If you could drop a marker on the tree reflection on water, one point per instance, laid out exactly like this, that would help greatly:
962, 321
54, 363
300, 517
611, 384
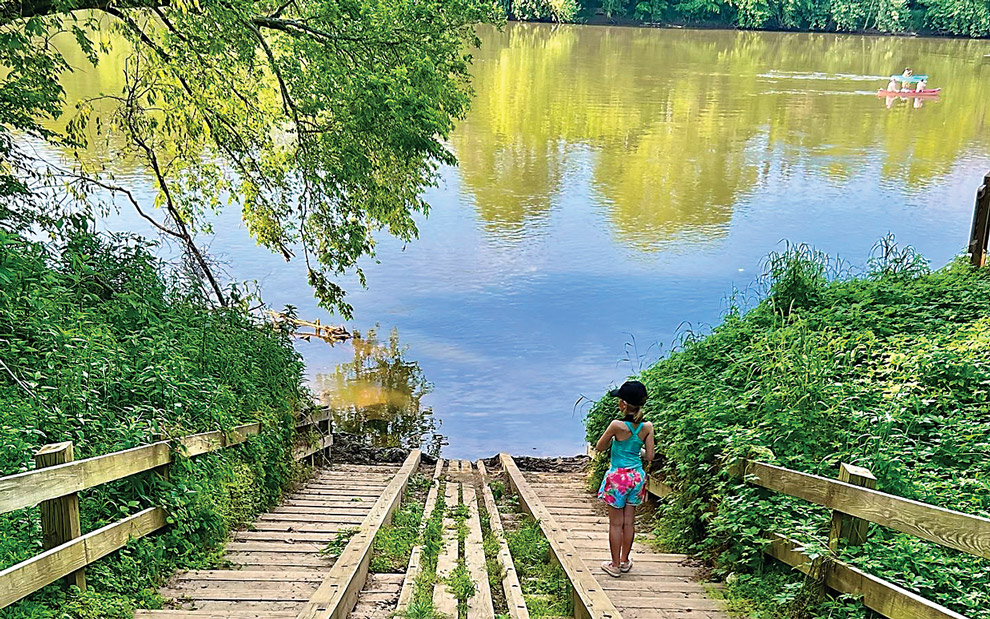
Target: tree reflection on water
378, 396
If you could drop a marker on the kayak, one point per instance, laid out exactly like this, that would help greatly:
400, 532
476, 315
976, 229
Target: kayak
931, 92
914, 79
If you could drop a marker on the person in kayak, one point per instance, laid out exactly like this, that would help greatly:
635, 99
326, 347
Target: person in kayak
906, 78
624, 487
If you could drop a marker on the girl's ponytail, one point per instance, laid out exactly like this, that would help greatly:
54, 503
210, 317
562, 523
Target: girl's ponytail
634, 414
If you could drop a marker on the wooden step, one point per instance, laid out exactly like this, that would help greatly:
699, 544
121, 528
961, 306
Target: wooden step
226, 606
273, 560
253, 575
297, 514
290, 537
213, 614
188, 589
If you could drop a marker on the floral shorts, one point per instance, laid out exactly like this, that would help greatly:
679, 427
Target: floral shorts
623, 487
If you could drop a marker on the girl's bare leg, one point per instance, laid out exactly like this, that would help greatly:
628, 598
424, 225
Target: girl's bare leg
628, 531
615, 531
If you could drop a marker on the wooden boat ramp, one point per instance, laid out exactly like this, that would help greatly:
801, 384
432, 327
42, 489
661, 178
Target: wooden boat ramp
312, 556
280, 567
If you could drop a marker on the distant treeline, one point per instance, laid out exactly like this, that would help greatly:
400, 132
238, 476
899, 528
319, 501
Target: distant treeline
969, 18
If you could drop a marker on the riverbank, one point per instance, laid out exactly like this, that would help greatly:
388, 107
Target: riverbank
886, 370
104, 349
968, 18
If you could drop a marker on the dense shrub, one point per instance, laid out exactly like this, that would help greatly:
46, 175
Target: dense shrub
542, 10
98, 348
953, 17
889, 370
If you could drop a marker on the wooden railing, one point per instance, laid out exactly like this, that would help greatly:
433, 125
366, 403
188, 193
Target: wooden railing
57, 479
854, 502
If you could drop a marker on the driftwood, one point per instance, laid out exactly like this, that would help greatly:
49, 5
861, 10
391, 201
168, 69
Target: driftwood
331, 334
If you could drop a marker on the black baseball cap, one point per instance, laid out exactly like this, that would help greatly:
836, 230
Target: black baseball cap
632, 391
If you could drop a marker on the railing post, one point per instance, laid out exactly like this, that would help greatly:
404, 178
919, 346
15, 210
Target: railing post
60, 517
981, 225
324, 427
853, 530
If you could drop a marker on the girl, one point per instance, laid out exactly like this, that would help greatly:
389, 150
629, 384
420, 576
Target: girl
624, 486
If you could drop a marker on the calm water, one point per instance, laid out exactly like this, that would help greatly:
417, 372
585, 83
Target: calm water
614, 186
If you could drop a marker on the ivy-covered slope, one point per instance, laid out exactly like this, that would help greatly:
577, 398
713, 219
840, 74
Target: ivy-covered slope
97, 348
889, 370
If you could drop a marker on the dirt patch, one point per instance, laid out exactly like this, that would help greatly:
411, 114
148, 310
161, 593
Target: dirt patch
352, 449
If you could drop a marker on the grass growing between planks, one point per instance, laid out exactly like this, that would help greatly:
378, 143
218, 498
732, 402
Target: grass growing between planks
394, 542
545, 587
459, 583
100, 347
889, 370
493, 565
421, 605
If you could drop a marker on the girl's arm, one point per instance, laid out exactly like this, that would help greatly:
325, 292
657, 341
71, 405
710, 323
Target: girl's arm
649, 445
606, 440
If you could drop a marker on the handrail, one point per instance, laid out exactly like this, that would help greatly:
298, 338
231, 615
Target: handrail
952, 529
32, 487
946, 527
878, 594
41, 570
60, 483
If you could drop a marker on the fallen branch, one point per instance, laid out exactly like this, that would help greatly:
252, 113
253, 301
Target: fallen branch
331, 334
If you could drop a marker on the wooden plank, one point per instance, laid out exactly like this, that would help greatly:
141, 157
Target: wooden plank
412, 570
266, 576
289, 537
315, 506
843, 526
668, 604
290, 516
32, 487
305, 449
206, 442
480, 605
213, 614
277, 560
946, 527
60, 517
510, 579
226, 591
336, 596
315, 495
313, 418
879, 595
444, 601
28, 576
245, 605
657, 488
590, 600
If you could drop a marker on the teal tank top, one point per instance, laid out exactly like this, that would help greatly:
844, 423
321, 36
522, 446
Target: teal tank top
625, 454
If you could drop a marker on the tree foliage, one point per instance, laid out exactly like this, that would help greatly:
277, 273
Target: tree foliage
954, 17
321, 120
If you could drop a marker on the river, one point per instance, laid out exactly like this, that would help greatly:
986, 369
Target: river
615, 186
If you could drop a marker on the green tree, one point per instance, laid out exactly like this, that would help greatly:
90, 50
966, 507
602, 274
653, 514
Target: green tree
322, 120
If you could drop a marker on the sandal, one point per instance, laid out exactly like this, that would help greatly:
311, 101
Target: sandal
625, 566
610, 569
